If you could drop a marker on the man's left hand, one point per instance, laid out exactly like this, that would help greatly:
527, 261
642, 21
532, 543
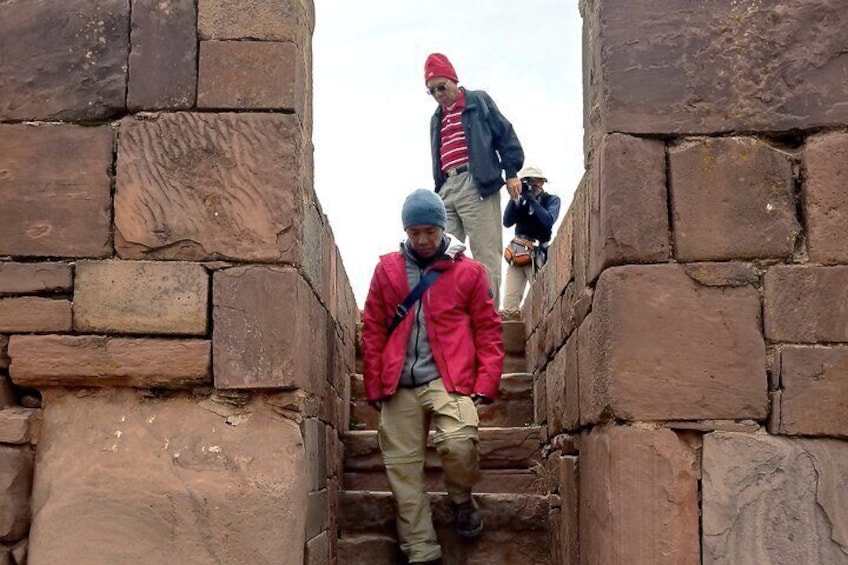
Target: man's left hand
479, 399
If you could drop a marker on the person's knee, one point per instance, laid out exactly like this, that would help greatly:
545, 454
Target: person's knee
458, 447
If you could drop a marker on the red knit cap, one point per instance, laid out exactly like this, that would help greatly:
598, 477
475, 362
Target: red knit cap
437, 65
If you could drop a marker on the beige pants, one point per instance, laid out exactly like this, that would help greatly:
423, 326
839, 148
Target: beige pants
479, 219
516, 279
404, 423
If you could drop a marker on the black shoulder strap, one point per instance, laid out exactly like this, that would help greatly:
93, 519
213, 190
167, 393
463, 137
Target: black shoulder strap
414, 295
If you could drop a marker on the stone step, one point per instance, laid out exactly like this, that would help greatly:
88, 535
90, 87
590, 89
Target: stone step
516, 530
513, 336
500, 448
491, 481
512, 408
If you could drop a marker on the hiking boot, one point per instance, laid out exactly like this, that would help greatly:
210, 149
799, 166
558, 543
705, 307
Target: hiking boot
469, 524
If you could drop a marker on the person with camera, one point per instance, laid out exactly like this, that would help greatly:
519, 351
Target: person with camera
533, 212
473, 147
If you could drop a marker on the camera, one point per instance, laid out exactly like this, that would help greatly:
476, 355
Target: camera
526, 187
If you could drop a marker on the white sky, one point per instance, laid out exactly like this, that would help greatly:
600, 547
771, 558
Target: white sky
372, 113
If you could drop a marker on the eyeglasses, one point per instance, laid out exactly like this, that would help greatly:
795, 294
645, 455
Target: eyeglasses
438, 88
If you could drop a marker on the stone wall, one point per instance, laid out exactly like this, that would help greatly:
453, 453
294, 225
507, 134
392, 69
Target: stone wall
690, 331
176, 326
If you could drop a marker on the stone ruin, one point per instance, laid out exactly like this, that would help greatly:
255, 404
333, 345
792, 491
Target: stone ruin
177, 333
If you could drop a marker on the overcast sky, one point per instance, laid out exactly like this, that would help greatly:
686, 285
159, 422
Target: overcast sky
372, 113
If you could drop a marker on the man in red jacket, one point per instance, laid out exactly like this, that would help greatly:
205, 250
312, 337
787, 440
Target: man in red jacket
443, 359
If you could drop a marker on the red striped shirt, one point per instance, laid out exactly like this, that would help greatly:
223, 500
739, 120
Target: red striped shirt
454, 149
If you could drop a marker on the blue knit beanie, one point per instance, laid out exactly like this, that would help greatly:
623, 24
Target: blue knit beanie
424, 208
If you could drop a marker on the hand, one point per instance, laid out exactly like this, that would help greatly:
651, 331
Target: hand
513, 186
376, 405
479, 399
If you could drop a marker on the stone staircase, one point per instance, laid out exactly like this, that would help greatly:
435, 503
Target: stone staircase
512, 493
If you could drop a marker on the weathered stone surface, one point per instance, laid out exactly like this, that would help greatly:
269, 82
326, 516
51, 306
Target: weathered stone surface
774, 500
671, 67
210, 186
561, 377
317, 517
806, 304
500, 448
32, 314
580, 235
513, 336
732, 198
638, 498
367, 548
20, 551
141, 297
56, 360
233, 485
318, 550
270, 330
814, 396
748, 426
315, 444
723, 274
27, 278
270, 20
16, 464
4, 356
18, 425
559, 268
7, 393
825, 197
63, 61
251, 74
54, 185
163, 58
540, 399
629, 215
569, 523
659, 346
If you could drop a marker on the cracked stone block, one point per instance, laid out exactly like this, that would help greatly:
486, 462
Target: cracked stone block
141, 297
638, 498
202, 187
799, 303
270, 331
732, 198
659, 345
55, 189
628, 211
16, 466
224, 475
31, 278
672, 67
66, 360
776, 500
163, 58
814, 390
825, 197
63, 60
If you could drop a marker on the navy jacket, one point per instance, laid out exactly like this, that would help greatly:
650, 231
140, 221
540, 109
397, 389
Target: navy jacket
533, 217
492, 143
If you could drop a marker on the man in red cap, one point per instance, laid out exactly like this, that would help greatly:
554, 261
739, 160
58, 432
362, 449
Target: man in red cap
472, 146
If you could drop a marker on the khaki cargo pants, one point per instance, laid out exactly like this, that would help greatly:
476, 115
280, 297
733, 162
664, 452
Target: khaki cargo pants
479, 219
404, 423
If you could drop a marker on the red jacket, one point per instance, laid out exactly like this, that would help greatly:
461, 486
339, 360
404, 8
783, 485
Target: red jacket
463, 328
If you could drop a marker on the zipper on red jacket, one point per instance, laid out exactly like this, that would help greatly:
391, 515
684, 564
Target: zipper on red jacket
417, 334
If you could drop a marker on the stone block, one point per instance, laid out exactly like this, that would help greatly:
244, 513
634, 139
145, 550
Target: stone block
8, 398
256, 75
660, 346
211, 186
775, 500
669, 67
56, 360
141, 297
799, 304
569, 524
234, 485
555, 394
540, 399
628, 204
32, 278
269, 20
513, 336
580, 235
317, 513
814, 395
63, 61
561, 258
638, 498
825, 199
163, 57
55, 188
270, 330
318, 550
30, 314
723, 274
315, 444
732, 198
16, 466
18, 425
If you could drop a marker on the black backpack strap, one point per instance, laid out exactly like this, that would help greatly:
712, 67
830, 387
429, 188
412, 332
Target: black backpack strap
414, 295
